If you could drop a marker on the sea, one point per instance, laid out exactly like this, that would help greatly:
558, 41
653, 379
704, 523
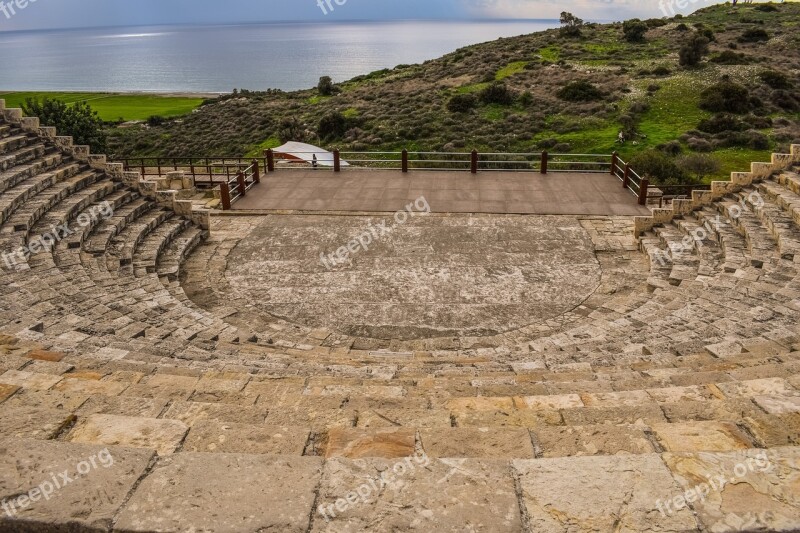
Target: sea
217, 59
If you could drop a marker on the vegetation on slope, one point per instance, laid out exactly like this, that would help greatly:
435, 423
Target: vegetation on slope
568, 90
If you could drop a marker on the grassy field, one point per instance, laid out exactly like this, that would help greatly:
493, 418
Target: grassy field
113, 107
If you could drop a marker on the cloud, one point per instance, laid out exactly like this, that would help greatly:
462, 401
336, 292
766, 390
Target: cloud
47, 14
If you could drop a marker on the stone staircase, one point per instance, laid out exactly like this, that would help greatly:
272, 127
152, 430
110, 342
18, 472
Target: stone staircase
667, 401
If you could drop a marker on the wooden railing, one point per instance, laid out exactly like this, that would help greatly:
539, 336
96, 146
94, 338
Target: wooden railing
236, 188
207, 172
236, 175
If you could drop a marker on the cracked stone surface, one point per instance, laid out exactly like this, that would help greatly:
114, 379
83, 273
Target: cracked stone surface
431, 277
753, 490
249, 493
419, 494
90, 500
617, 493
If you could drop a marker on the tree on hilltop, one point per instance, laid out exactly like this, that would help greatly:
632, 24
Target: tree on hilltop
570, 25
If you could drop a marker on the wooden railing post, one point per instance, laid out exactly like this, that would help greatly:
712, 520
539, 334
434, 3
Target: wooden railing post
626, 179
158, 163
544, 162
473, 164
225, 195
337, 161
614, 163
405, 161
643, 191
241, 182
256, 173
270, 160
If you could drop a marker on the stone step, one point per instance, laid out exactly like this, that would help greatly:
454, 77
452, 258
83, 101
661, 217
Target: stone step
13, 198
99, 240
115, 202
169, 262
146, 255
705, 244
732, 243
39, 159
15, 142
760, 244
683, 257
121, 249
780, 225
14, 231
67, 211
783, 197
128, 489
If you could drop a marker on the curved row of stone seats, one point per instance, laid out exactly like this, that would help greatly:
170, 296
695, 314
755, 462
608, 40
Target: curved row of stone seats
709, 408
52, 202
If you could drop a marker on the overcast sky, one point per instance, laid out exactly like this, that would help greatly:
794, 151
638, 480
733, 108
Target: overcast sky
49, 14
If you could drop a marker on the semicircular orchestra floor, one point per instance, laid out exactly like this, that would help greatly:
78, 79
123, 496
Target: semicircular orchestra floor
430, 281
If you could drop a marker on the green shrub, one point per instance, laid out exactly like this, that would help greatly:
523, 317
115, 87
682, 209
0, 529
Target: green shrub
726, 97
766, 8
634, 30
497, 93
661, 71
699, 165
720, 123
580, 91
78, 121
754, 35
786, 100
775, 79
155, 120
461, 103
693, 50
325, 86
658, 167
729, 57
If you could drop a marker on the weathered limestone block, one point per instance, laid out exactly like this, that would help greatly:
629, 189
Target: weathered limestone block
743, 179
417, 494
761, 170
165, 198
358, 443
224, 493
97, 161
29, 124
709, 436
81, 153
749, 490
617, 493
91, 498
702, 198
483, 443
796, 153
164, 436
13, 115
48, 132
225, 437
63, 143
567, 441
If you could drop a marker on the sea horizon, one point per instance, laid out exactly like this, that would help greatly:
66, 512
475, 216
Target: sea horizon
215, 59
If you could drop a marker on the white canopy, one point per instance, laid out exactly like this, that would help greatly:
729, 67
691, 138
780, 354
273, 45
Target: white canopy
294, 151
